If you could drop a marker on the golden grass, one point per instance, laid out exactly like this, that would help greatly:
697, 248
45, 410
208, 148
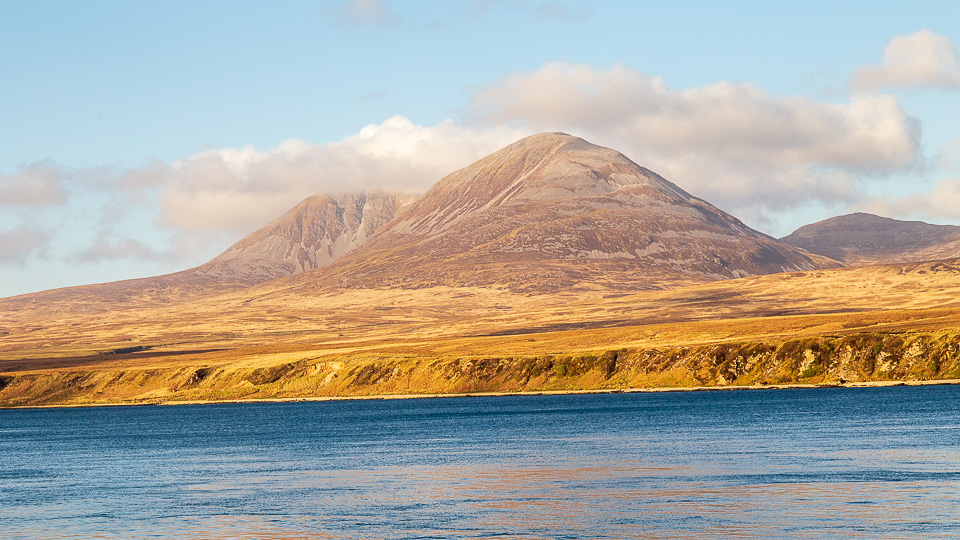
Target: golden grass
267, 326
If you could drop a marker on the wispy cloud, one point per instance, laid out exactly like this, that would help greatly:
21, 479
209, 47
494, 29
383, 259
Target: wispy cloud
949, 156
373, 13
940, 203
238, 189
107, 248
32, 185
921, 59
19, 243
560, 10
364, 12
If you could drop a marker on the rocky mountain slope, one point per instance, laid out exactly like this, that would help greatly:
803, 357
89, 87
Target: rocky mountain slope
553, 211
857, 239
314, 233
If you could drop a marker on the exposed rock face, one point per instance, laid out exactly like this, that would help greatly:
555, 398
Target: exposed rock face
312, 234
552, 211
857, 239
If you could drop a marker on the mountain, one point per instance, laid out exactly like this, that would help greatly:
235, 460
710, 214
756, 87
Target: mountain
857, 239
553, 211
547, 213
312, 234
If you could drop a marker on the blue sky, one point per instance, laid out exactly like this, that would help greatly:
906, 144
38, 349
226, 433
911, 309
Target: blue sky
141, 138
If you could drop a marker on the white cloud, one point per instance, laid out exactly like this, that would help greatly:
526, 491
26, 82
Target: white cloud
239, 189
753, 154
112, 249
942, 203
35, 184
181, 211
919, 59
735, 145
20, 242
724, 120
949, 156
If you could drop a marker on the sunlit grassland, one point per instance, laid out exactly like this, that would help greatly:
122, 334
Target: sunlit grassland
813, 327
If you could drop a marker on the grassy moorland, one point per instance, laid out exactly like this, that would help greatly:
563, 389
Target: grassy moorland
881, 323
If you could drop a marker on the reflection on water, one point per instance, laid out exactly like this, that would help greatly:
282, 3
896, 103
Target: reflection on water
869, 463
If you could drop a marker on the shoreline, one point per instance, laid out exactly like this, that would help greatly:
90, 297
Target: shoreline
862, 384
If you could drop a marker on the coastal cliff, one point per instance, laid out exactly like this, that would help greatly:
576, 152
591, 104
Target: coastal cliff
825, 360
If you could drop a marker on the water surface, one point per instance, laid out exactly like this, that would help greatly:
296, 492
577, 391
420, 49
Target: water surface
844, 462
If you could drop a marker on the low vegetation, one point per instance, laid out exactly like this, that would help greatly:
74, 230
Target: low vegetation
841, 359
876, 324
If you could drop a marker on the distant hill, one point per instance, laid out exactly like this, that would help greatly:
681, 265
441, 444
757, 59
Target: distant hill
553, 211
857, 239
312, 234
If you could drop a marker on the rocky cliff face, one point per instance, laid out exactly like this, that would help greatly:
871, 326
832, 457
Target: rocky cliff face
857, 239
554, 211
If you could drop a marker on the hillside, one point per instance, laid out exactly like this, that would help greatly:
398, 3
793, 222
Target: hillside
857, 239
876, 323
552, 264
312, 234
552, 212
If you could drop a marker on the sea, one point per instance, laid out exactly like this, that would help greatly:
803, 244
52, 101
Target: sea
788, 463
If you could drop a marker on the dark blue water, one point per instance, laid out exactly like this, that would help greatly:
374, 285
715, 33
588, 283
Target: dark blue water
866, 462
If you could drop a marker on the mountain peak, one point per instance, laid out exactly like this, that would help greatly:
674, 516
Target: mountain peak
544, 167
553, 210
314, 233
546, 137
553, 144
